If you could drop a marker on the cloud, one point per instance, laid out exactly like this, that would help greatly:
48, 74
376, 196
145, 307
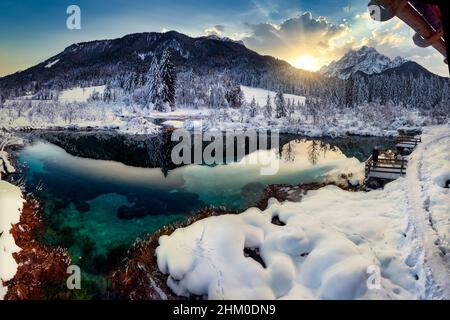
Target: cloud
300, 35
302, 29
217, 30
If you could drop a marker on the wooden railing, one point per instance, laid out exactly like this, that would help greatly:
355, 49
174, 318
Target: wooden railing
385, 165
408, 139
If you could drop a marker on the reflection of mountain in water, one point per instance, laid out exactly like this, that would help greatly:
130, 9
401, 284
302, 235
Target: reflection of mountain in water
153, 151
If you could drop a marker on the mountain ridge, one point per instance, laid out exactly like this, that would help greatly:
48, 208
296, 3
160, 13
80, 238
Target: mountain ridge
104, 59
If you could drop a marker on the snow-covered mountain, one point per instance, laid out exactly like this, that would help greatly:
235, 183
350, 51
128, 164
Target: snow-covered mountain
98, 62
366, 60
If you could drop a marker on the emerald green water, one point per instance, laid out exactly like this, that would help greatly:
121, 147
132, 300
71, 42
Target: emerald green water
98, 208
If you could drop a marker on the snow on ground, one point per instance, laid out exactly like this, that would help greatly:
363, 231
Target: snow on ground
80, 94
51, 64
350, 121
428, 175
365, 120
261, 96
97, 115
10, 205
335, 244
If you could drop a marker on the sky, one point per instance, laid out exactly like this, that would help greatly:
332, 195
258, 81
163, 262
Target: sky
306, 33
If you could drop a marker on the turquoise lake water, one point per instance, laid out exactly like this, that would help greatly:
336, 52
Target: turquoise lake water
98, 208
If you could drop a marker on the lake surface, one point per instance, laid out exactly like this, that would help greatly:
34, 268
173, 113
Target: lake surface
102, 192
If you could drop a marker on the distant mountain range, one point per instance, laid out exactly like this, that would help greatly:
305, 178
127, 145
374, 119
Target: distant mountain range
97, 62
368, 61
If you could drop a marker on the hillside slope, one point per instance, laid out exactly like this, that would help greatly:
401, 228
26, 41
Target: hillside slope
96, 62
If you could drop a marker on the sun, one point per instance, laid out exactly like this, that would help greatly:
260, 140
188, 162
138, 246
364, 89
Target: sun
305, 62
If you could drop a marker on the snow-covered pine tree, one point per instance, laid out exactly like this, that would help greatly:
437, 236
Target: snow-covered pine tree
107, 94
280, 105
253, 108
268, 107
240, 97
290, 109
128, 85
234, 95
166, 88
152, 83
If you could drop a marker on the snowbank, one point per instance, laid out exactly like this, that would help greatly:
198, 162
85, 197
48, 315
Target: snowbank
323, 252
10, 205
334, 244
80, 94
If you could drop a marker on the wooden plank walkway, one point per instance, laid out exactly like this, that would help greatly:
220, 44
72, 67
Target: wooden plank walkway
407, 143
390, 166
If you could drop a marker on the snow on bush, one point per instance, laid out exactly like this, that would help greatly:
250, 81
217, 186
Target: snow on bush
138, 125
334, 244
10, 205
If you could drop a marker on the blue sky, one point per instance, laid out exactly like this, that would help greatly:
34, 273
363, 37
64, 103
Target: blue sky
306, 33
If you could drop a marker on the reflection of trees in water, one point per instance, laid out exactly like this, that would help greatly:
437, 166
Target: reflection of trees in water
314, 150
161, 151
289, 154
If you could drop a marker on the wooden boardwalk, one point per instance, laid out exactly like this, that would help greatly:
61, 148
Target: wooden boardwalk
406, 143
390, 166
